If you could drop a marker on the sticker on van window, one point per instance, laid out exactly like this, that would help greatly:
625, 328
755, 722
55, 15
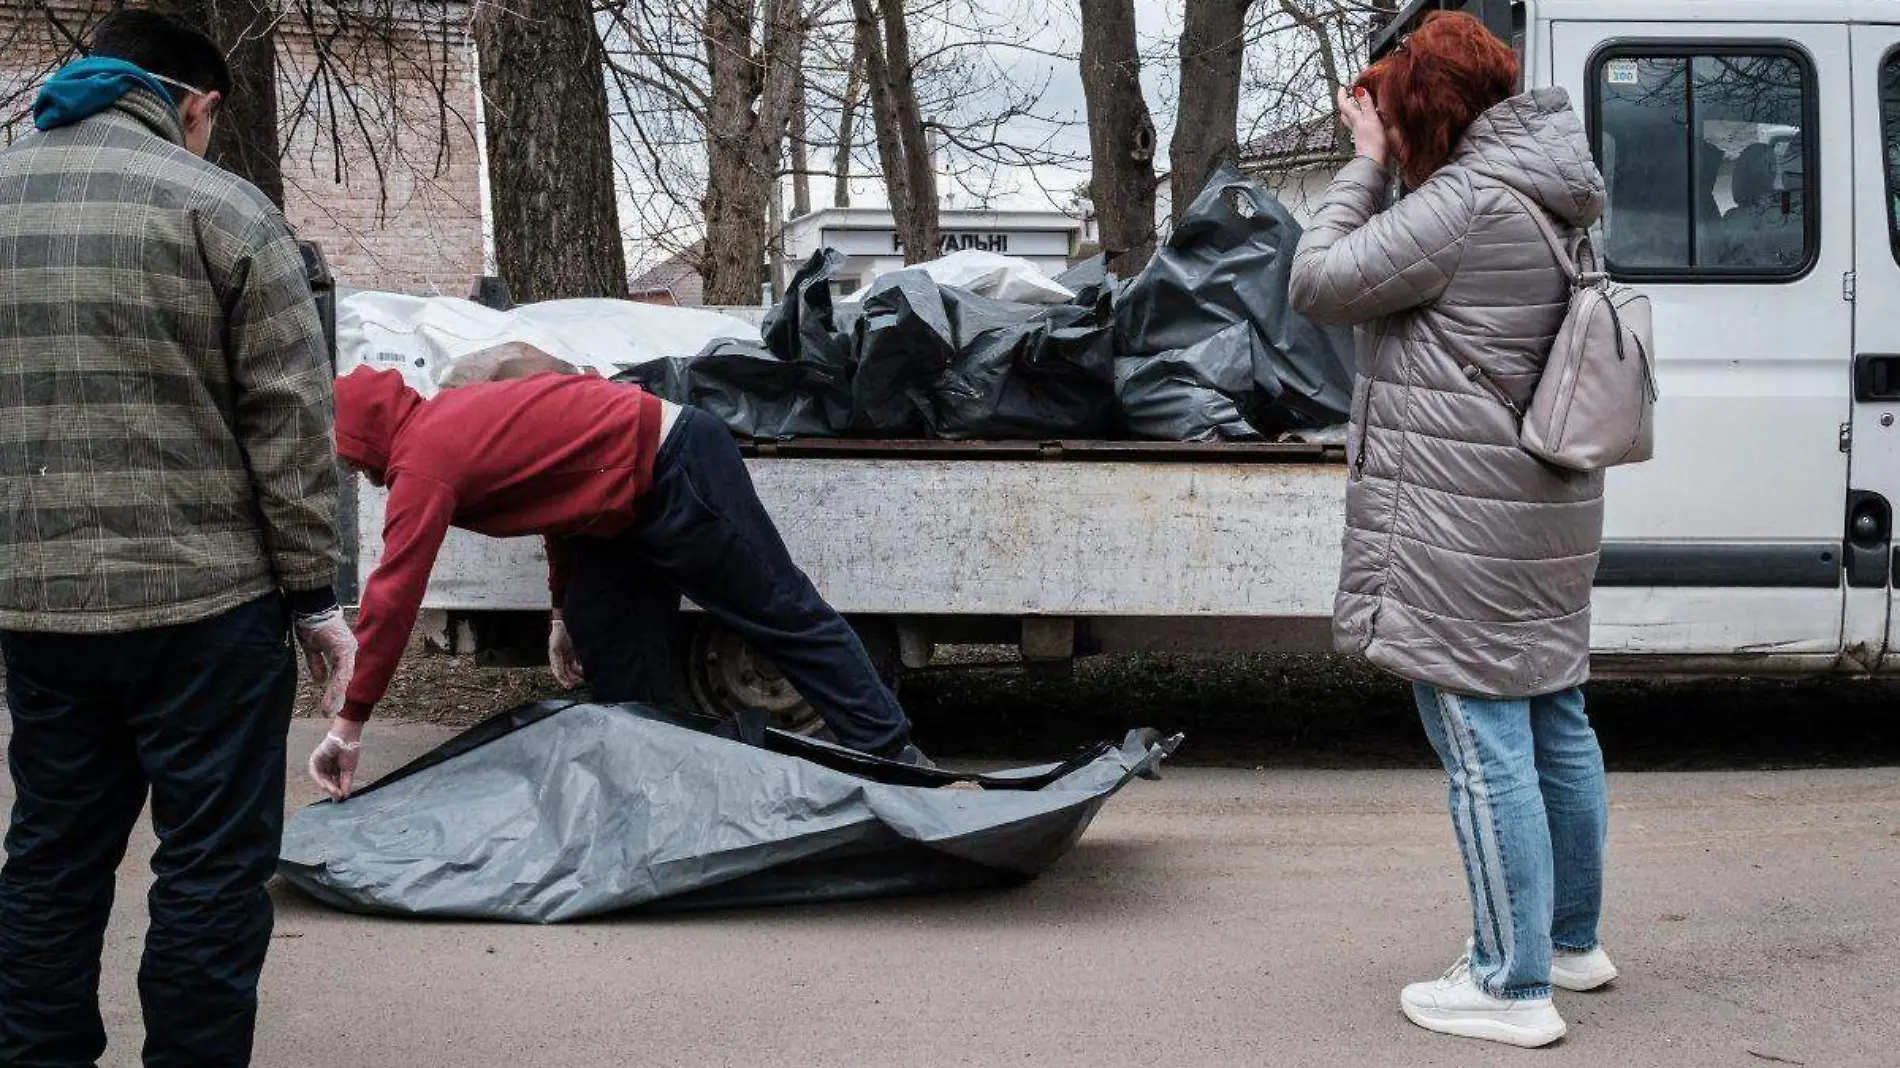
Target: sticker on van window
1622, 72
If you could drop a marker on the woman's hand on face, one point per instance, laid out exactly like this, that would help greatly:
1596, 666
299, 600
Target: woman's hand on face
1359, 113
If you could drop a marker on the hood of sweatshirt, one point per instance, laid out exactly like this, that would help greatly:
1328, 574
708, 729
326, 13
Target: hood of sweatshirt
371, 409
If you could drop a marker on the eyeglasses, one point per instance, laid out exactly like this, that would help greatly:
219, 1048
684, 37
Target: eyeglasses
1404, 44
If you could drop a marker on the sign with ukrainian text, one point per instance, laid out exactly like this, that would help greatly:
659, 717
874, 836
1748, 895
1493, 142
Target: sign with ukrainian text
948, 243
881, 243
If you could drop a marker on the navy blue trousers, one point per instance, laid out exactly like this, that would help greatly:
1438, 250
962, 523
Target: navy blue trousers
702, 532
197, 716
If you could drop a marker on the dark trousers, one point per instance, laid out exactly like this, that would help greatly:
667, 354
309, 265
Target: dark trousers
198, 715
703, 532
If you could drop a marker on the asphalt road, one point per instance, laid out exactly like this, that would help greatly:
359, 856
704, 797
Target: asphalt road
1219, 917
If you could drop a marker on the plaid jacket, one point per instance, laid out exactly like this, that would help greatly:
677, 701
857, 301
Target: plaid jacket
165, 390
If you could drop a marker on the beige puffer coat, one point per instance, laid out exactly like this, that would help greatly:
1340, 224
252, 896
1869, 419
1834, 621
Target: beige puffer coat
1468, 562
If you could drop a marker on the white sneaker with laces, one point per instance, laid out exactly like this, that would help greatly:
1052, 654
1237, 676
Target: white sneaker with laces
1454, 1004
1581, 971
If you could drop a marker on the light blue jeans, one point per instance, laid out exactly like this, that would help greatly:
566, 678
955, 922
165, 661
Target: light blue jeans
1531, 809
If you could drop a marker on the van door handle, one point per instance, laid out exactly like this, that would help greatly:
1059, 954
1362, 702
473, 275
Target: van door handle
1876, 378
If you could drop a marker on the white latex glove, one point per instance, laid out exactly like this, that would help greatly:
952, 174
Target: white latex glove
561, 656
330, 651
333, 762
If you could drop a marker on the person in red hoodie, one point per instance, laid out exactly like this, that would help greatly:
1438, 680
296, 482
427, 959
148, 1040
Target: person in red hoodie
640, 501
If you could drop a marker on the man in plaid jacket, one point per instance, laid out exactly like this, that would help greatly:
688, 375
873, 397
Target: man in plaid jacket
167, 494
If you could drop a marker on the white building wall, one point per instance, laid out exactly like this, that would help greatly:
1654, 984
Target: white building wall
1301, 191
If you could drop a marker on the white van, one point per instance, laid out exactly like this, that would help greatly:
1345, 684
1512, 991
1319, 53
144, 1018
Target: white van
1752, 153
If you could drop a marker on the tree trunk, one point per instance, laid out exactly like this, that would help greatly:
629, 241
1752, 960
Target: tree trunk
735, 204
1121, 135
781, 114
1207, 126
848, 130
910, 175
754, 93
775, 241
550, 150
245, 139
920, 226
890, 149
800, 150
1321, 27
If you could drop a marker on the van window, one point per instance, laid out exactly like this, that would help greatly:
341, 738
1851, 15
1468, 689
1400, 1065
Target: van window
1706, 157
1890, 129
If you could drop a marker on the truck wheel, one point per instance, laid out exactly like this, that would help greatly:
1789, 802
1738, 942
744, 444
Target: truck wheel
724, 676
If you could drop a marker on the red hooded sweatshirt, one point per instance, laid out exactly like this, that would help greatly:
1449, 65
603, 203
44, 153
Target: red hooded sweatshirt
551, 455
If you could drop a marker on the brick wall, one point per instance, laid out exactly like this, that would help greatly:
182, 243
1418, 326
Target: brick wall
403, 211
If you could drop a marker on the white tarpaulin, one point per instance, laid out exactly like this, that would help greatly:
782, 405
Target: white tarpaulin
988, 274
424, 336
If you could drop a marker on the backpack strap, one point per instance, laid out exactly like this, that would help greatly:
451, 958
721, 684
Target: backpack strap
1572, 261
1570, 255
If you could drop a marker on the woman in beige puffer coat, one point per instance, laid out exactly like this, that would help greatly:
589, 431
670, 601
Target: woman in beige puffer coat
1469, 562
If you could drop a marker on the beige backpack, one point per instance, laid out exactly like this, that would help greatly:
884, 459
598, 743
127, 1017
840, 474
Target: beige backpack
1595, 405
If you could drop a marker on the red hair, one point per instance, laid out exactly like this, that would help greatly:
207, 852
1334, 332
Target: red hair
1441, 76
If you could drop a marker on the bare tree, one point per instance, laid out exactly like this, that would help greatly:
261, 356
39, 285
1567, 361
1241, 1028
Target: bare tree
245, 140
709, 106
34, 28
550, 153
305, 72
754, 90
981, 108
1121, 135
910, 172
981, 117
1301, 52
799, 136
848, 127
1207, 122
662, 98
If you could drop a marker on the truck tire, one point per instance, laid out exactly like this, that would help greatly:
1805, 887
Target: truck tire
722, 675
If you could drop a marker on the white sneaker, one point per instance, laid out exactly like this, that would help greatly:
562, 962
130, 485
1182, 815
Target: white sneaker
1576, 972
1581, 971
1454, 1004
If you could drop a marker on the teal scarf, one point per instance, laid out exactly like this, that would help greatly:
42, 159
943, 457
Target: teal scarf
85, 87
